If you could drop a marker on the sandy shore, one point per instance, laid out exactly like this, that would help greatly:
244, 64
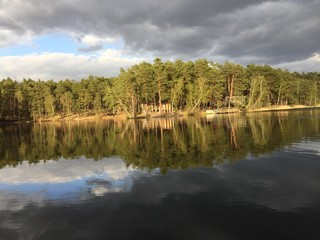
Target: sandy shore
76, 117
282, 107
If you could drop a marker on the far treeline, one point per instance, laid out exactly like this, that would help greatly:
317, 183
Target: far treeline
160, 87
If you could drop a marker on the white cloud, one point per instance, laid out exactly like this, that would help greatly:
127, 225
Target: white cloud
248, 31
91, 40
59, 66
310, 64
92, 43
8, 38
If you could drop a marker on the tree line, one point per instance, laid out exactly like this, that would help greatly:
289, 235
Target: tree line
184, 86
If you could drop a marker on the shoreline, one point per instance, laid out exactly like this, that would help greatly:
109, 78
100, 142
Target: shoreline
283, 108
77, 117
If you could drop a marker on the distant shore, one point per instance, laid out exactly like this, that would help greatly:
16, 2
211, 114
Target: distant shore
78, 117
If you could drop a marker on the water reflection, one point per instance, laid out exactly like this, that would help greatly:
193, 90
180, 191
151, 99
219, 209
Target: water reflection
103, 180
63, 181
274, 194
161, 143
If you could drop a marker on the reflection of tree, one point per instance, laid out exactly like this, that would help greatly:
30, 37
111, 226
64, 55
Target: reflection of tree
258, 130
233, 132
158, 143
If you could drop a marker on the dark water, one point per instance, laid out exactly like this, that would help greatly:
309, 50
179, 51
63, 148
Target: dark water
253, 176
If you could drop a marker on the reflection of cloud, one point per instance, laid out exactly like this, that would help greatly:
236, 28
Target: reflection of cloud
15, 201
64, 171
306, 148
64, 180
270, 194
100, 182
100, 190
285, 180
99, 187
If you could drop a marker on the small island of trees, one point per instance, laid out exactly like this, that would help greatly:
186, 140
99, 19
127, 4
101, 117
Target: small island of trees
160, 87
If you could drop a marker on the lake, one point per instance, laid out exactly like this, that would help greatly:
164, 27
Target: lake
242, 176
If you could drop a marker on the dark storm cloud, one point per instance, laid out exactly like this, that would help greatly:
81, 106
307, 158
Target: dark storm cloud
264, 31
282, 32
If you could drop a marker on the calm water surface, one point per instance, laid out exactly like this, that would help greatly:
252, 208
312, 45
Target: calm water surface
254, 176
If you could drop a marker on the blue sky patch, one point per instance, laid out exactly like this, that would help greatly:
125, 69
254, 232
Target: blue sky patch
43, 44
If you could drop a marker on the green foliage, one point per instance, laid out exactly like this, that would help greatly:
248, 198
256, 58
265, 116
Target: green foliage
145, 87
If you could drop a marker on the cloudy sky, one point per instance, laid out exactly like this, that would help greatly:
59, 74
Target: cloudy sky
76, 38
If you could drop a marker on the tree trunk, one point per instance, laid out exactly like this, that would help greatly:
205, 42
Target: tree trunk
160, 101
133, 105
279, 94
230, 86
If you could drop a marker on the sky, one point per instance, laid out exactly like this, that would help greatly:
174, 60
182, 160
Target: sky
76, 38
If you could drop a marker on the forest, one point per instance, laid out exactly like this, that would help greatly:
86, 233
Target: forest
160, 87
